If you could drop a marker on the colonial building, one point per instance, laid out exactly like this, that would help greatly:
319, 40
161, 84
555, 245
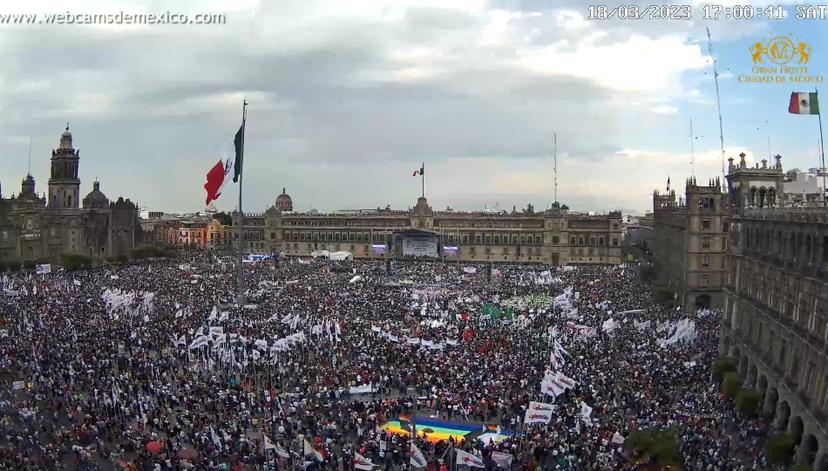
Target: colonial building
776, 305
551, 237
40, 228
775, 312
687, 238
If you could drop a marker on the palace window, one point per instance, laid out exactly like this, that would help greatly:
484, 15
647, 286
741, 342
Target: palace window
488, 239
705, 260
522, 240
601, 241
705, 281
705, 243
573, 241
706, 224
465, 238
555, 239
478, 239
497, 240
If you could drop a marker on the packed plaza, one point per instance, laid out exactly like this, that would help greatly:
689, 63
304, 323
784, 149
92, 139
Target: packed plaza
332, 365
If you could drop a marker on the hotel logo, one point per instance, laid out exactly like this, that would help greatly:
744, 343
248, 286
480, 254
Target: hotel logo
780, 59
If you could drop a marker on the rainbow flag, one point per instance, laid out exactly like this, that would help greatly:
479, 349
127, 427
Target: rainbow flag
434, 430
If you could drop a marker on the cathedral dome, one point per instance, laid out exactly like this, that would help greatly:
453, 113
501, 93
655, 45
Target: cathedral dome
96, 199
284, 202
66, 139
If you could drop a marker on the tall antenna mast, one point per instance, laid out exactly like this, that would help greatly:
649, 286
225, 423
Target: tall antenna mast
718, 99
555, 156
692, 151
29, 171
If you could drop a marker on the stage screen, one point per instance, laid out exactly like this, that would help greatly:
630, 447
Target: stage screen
419, 247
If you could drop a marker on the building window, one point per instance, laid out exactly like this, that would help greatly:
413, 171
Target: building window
273, 235
478, 239
497, 240
488, 239
705, 281
615, 242
465, 238
705, 243
706, 224
555, 239
573, 241
705, 260
581, 240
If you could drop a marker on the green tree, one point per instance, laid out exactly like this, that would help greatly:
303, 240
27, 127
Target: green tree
658, 447
224, 218
731, 384
721, 366
779, 448
747, 402
75, 262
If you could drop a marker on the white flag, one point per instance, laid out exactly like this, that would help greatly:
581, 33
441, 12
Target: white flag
586, 411
417, 458
310, 450
502, 460
361, 462
469, 459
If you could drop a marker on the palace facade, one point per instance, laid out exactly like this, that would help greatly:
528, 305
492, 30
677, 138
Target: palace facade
550, 237
41, 228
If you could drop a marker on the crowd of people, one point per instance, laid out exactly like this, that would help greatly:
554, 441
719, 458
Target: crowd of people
154, 366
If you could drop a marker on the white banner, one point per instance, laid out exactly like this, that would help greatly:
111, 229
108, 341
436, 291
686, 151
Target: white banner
469, 459
43, 269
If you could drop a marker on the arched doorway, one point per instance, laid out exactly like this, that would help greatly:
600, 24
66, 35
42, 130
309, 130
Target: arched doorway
782, 415
762, 385
771, 398
702, 301
750, 381
808, 450
796, 428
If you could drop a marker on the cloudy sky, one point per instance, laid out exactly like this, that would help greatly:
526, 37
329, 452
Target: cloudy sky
348, 97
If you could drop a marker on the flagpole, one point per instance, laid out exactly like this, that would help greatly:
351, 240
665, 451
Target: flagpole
240, 299
821, 149
422, 175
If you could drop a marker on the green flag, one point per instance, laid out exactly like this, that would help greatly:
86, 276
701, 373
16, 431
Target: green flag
238, 143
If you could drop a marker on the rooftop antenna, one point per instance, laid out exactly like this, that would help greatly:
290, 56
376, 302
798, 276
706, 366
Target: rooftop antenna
29, 170
692, 151
555, 156
718, 99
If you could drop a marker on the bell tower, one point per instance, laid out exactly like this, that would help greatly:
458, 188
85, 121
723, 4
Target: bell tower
64, 185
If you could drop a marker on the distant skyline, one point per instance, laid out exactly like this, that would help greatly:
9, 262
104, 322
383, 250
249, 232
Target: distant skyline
347, 98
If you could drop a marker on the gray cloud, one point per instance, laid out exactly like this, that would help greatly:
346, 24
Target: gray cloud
153, 108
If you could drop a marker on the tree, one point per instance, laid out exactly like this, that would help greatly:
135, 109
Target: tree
149, 251
779, 448
224, 218
564, 207
721, 366
747, 402
75, 262
731, 384
659, 447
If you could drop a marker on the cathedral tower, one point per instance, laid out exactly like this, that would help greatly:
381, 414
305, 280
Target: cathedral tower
64, 185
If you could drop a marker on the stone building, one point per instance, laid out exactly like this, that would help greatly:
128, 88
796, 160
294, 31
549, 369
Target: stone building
775, 312
776, 306
42, 228
551, 237
687, 239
